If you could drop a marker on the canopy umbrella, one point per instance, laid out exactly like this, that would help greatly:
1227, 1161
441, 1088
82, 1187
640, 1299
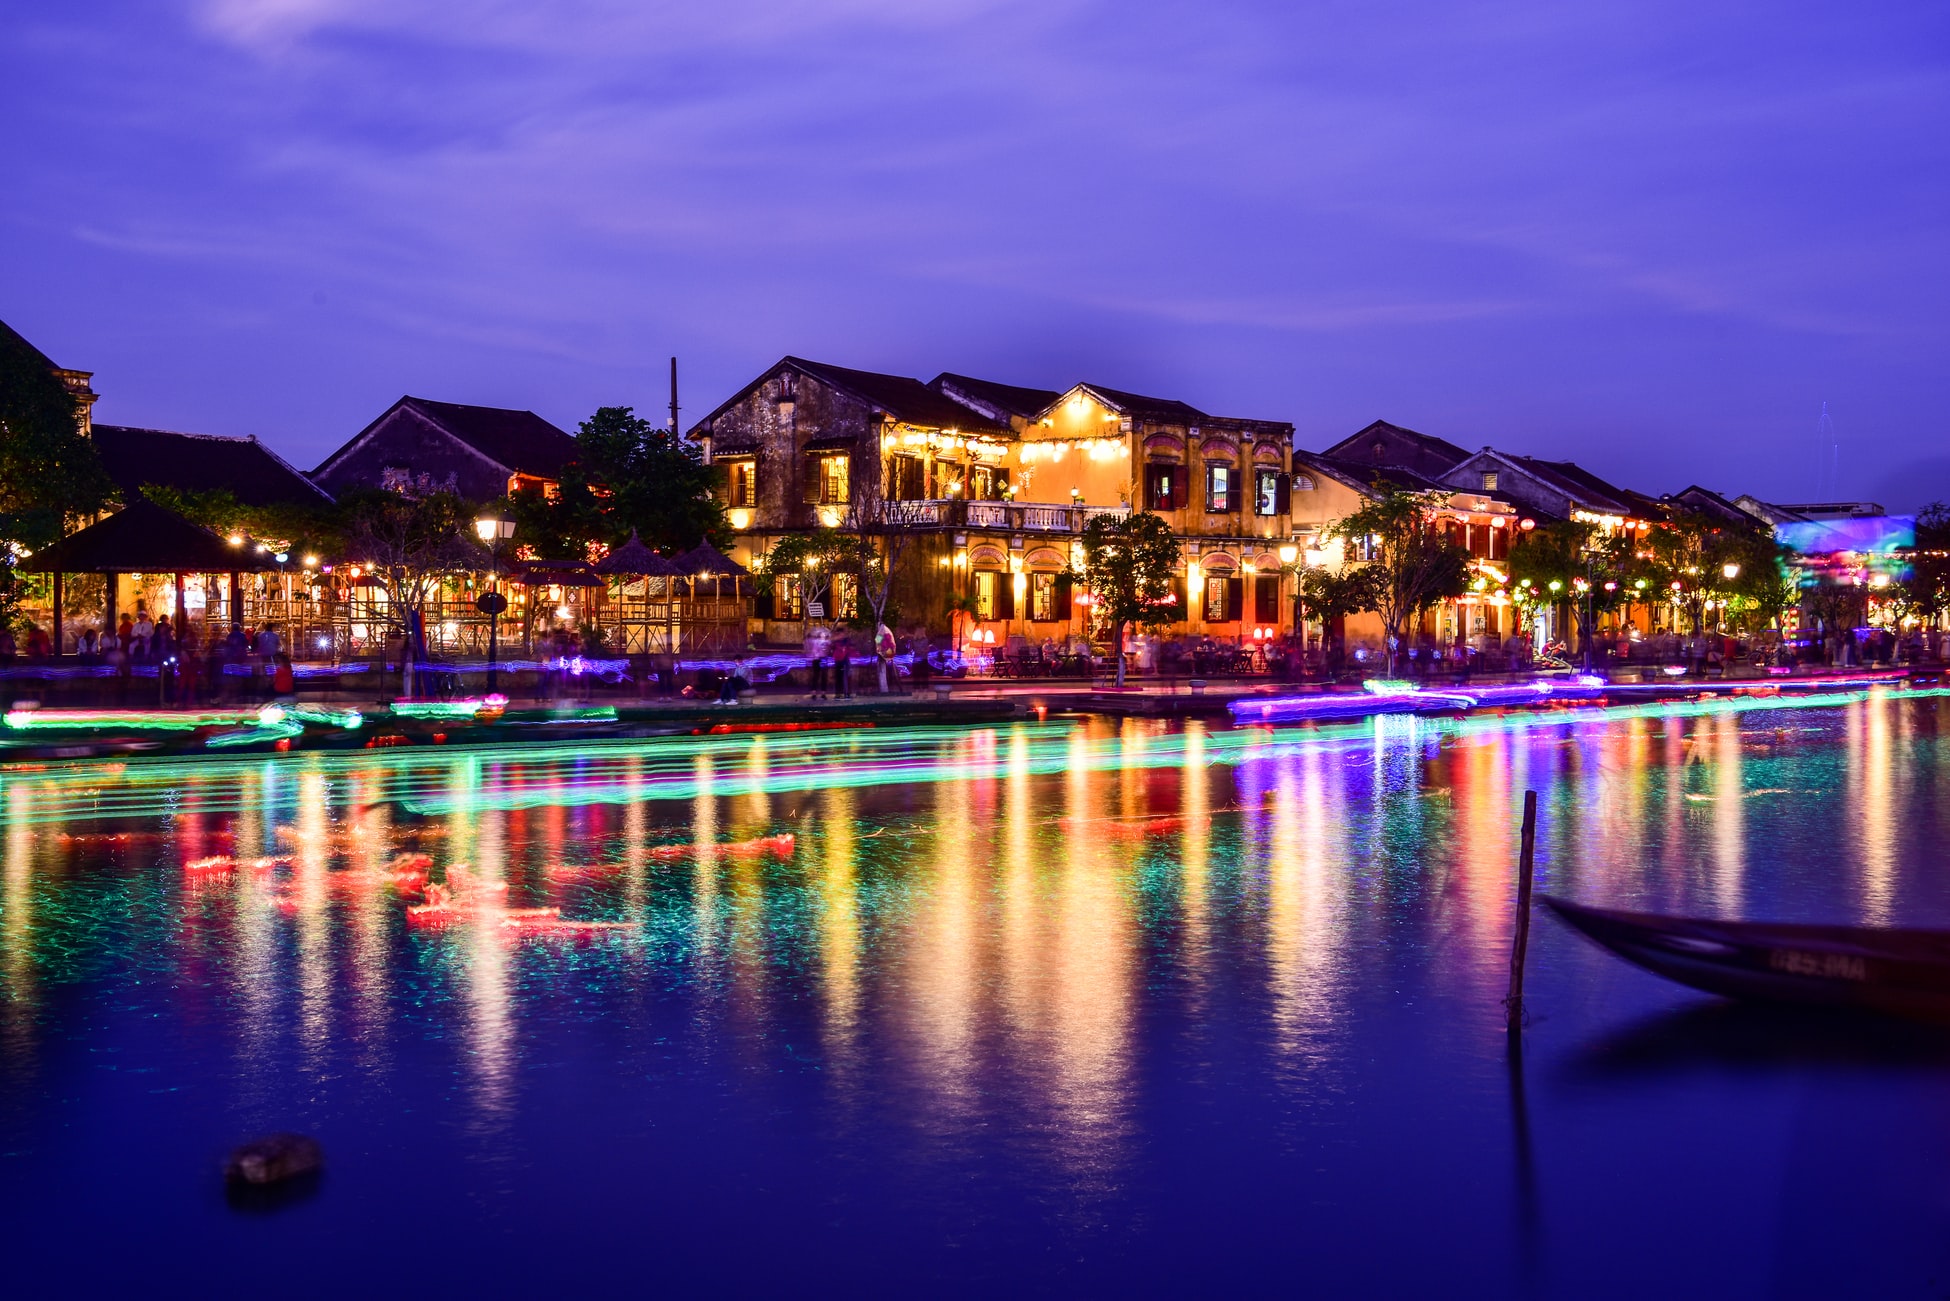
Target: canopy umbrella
144, 538
634, 559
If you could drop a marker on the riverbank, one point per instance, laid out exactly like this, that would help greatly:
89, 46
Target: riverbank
35, 735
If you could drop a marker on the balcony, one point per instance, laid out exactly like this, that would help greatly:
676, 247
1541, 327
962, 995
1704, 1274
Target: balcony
1029, 516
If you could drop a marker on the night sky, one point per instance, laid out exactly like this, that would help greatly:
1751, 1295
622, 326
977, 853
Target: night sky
1652, 237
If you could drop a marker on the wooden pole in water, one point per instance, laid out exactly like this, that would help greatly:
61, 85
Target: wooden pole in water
1514, 1003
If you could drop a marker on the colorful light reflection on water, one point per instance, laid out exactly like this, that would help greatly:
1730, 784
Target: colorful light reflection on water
1096, 1005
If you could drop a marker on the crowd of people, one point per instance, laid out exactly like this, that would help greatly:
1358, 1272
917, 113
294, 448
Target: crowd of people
202, 664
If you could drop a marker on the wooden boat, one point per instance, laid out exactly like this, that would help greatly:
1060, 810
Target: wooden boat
1906, 972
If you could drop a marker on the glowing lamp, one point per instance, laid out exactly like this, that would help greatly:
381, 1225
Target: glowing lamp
1289, 553
1730, 570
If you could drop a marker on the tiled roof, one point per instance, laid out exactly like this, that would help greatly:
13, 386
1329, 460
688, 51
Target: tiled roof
520, 440
1365, 435
1016, 401
1579, 483
1164, 411
243, 467
143, 537
907, 400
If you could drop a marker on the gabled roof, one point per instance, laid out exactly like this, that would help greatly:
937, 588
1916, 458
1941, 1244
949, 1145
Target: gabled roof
1706, 500
1352, 447
1581, 484
906, 400
1010, 399
142, 537
519, 441
1164, 411
1571, 480
245, 468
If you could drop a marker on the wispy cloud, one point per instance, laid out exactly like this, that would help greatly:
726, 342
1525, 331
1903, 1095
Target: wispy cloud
1456, 206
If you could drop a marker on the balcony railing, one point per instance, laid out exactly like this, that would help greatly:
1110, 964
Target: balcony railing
1007, 516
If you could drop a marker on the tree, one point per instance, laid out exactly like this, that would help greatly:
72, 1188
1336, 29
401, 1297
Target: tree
409, 545
50, 473
814, 559
1926, 589
1415, 560
1332, 596
883, 530
292, 527
650, 480
1129, 562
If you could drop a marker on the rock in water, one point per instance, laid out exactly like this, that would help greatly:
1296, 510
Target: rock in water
274, 1159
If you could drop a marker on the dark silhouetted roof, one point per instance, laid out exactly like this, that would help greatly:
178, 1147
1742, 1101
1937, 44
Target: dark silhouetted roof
1355, 445
907, 400
1025, 403
12, 339
520, 440
243, 467
144, 538
1580, 484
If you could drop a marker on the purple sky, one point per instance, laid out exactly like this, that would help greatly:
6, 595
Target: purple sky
1653, 237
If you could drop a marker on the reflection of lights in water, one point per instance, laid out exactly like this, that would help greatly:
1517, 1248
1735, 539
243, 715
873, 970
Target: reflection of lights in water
21, 997
1017, 948
1301, 930
945, 961
1872, 780
314, 927
1729, 814
486, 973
839, 931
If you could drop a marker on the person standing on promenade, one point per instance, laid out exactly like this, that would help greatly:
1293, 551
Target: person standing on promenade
842, 667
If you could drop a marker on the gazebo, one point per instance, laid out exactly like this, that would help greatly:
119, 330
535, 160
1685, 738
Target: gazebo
144, 538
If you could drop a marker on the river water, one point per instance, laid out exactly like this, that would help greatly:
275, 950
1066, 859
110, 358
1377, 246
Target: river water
1072, 1007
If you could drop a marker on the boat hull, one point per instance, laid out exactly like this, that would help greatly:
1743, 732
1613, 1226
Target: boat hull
1902, 972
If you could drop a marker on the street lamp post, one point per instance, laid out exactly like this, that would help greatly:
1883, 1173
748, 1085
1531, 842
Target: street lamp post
493, 528
1289, 554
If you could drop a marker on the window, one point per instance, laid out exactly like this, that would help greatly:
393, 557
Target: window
1489, 481
846, 597
1163, 486
1220, 490
906, 478
1217, 588
788, 598
1266, 598
1303, 483
1042, 598
832, 480
985, 594
988, 483
741, 483
1266, 492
